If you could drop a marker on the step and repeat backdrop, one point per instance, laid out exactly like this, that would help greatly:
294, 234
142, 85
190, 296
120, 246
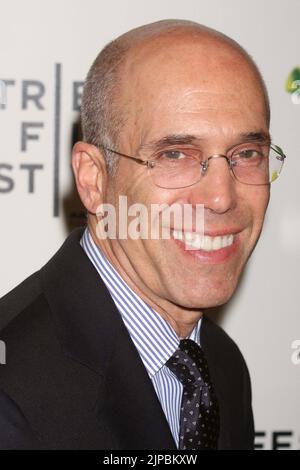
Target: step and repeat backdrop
46, 48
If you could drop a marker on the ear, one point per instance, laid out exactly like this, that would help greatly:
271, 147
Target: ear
90, 174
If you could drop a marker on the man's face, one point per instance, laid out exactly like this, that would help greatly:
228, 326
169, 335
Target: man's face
210, 92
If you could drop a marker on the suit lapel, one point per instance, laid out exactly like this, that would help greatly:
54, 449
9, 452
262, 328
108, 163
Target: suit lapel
92, 332
131, 405
209, 343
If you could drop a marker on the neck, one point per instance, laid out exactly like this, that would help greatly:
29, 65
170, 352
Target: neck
181, 319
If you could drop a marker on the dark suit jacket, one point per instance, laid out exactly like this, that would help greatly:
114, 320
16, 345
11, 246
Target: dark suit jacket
73, 378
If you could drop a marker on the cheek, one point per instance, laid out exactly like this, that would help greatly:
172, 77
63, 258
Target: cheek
134, 195
257, 201
141, 190
260, 202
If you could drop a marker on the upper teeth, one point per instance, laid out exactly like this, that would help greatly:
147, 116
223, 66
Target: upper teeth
196, 241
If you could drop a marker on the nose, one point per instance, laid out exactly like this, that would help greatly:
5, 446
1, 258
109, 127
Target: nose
217, 187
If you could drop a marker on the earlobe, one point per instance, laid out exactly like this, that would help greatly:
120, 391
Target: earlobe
89, 174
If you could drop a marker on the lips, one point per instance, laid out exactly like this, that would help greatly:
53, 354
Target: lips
195, 241
206, 248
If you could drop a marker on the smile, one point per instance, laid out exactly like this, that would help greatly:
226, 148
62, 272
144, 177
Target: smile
195, 241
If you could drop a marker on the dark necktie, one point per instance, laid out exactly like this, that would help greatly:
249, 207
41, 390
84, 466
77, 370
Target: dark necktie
199, 415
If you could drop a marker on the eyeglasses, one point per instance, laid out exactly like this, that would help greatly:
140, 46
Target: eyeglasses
181, 167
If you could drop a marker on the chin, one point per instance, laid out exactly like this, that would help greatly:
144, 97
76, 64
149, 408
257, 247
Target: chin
204, 298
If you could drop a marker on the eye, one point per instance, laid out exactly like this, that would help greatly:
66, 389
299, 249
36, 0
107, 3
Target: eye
249, 154
247, 157
182, 155
173, 155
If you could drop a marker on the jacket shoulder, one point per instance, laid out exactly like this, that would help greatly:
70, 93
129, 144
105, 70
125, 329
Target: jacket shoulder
19, 299
224, 345
231, 374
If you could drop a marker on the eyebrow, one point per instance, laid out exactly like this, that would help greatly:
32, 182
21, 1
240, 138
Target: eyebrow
259, 136
256, 136
169, 140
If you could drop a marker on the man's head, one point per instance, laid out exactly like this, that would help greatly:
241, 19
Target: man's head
174, 80
102, 113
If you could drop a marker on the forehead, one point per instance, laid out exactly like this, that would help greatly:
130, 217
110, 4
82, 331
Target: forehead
190, 80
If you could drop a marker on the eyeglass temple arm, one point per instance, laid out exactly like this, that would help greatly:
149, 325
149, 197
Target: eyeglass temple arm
138, 160
280, 152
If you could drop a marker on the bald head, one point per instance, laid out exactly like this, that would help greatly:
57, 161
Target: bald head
143, 54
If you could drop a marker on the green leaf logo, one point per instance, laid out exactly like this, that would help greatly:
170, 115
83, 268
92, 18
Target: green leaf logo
293, 76
274, 176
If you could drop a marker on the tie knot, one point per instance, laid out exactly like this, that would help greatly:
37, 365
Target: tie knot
189, 364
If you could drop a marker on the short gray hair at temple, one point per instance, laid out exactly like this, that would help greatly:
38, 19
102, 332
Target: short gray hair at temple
101, 116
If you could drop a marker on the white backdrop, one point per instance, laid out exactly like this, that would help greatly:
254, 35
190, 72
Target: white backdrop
46, 48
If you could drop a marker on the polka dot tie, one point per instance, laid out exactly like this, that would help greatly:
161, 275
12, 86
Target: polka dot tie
199, 414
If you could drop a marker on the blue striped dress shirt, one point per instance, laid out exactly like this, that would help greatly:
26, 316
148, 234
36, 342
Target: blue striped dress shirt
153, 337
